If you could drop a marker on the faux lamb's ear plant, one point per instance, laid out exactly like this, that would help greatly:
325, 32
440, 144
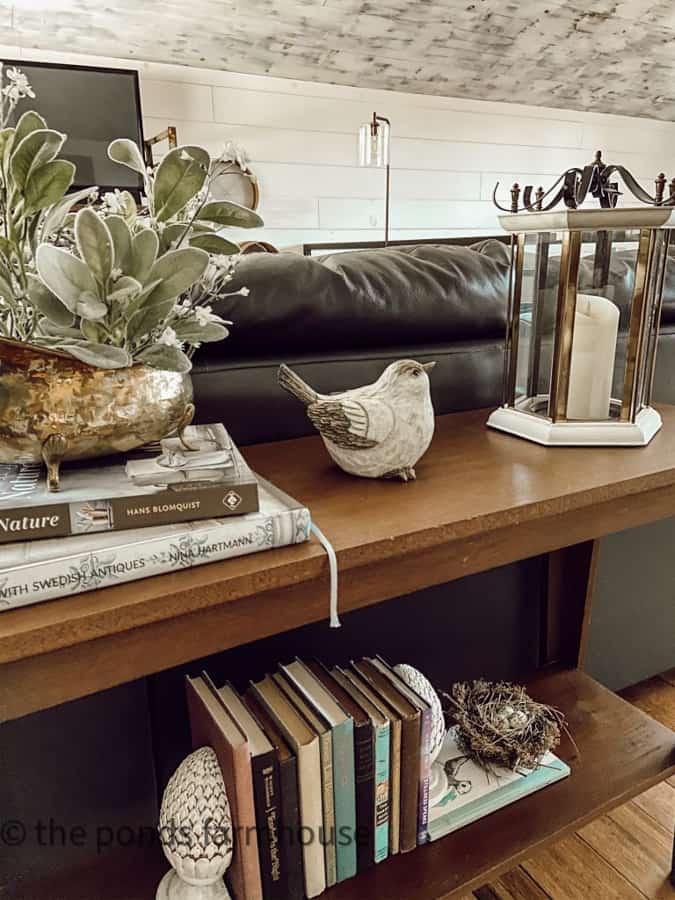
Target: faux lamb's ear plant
115, 284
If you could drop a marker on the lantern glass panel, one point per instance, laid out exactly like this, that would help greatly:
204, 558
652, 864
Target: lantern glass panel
605, 283
662, 252
537, 320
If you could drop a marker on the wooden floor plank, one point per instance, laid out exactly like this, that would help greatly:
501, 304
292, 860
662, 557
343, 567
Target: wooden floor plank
514, 885
659, 803
655, 697
636, 846
572, 870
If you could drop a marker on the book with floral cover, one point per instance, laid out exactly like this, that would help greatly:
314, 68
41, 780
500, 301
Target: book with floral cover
42, 570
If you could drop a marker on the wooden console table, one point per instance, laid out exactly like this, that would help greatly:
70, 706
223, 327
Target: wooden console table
482, 499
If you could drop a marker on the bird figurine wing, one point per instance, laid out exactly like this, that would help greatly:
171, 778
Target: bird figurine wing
352, 424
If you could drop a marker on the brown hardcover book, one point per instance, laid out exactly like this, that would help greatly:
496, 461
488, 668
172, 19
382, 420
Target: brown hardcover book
323, 730
411, 740
289, 841
211, 725
111, 495
266, 792
305, 745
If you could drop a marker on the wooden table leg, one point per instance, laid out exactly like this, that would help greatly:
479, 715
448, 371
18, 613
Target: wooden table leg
567, 609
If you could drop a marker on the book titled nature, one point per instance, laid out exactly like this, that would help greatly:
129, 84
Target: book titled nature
210, 480
471, 793
42, 570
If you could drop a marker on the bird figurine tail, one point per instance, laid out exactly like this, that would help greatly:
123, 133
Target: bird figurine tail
294, 384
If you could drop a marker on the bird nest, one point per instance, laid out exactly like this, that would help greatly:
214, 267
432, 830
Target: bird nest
499, 725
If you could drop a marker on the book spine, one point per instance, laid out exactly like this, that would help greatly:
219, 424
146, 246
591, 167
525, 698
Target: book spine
327, 838
169, 507
364, 776
425, 774
175, 506
382, 791
291, 848
311, 817
345, 799
395, 786
410, 780
266, 799
46, 579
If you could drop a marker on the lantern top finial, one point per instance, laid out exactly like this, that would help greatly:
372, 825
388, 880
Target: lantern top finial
575, 184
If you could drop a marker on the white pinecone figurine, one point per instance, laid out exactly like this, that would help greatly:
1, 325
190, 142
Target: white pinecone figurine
423, 688
195, 827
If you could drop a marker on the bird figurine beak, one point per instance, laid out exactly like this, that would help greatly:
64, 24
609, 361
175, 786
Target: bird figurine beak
428, 366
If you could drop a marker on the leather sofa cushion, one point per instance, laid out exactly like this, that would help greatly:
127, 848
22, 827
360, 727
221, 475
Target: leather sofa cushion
343, 301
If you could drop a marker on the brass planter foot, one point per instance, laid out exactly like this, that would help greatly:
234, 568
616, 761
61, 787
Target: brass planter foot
53, 450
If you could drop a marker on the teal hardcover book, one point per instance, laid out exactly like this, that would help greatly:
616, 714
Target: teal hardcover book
471, 793
381, 792
381, 757
344, 781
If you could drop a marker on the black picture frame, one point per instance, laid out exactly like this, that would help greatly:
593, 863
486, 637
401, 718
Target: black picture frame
109, 70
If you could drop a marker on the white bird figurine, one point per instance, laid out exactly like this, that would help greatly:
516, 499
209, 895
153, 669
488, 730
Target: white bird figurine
380, 430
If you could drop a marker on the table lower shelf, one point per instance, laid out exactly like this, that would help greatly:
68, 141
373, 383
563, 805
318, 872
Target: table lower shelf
622, 752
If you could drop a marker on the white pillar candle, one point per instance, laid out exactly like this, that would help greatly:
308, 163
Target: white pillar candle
596, 326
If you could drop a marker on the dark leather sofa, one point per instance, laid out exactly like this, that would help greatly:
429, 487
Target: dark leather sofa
341, 318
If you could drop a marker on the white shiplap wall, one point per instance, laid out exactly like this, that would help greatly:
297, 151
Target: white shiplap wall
447, 153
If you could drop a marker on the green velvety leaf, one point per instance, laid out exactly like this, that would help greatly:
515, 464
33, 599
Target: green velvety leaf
124, 289
178, 270
6, 144
94, 243
171, 233
48, 184
148, 316
214, 243
6, 248
102, 356
92, 332
126, 153
60, 332
179, 177
161, 356
192, 332
121, 237
30, 121
55, 217
48, 303
224, 212
35, 150
130, 210
70, 279
144, 249
6, 291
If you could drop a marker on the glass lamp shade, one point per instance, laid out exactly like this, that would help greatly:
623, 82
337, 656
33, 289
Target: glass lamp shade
585, 292
374, 144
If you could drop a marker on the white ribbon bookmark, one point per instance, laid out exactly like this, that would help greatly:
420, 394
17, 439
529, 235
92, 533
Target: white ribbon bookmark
333, 569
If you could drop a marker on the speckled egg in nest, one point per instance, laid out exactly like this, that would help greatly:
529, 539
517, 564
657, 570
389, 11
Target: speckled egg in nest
500, 725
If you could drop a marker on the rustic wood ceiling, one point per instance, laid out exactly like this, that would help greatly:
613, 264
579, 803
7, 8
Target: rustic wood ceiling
602, 55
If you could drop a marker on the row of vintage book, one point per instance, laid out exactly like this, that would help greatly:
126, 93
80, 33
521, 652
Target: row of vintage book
328, 772
151, 511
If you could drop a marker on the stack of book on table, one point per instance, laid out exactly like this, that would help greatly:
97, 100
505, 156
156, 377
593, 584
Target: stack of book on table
327, 773
124, 518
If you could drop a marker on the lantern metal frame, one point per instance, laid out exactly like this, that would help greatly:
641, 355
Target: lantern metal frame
543, 417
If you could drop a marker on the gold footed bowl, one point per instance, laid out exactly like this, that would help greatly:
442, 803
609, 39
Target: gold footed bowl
54, 408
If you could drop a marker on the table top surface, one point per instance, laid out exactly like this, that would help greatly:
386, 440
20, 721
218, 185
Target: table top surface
472, 482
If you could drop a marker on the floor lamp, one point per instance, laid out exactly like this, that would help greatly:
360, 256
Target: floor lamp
374, 152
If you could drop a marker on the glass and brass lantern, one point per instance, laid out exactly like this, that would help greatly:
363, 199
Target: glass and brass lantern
584, 306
